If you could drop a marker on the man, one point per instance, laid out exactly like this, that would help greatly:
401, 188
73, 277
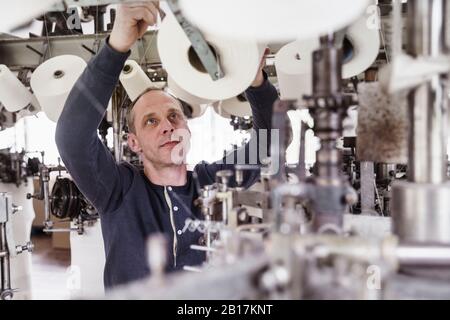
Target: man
134, 204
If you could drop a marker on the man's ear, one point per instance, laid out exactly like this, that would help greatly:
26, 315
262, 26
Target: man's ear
133, 143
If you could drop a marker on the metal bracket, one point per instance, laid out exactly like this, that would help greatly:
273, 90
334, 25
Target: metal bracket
199, 44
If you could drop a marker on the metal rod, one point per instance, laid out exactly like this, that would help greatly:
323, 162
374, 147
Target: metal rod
302, 154
428, 102
16, 58
60, 230
5, 270
116, 124
45, 178
367, 188
397, 30
327, 82
416, 255
203, 248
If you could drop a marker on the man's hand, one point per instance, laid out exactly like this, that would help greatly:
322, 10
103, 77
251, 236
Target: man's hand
259, 80
132, 21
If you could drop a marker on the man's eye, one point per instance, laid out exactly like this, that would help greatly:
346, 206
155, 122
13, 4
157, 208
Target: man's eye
151, 121
174, 116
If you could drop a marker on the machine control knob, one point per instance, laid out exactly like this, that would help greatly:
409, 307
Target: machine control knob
32, 196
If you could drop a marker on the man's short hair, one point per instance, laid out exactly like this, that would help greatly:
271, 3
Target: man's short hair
130, 114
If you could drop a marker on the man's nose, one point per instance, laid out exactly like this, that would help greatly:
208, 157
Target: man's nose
167, 127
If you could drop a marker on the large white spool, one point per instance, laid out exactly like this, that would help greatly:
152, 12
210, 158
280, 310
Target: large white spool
17, 12
237, 106
13, 94
239, 60
134, 79
53, 80
294, 61
272, 20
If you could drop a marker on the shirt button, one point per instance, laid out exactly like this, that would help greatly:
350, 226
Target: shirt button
179, 232
202, 241
175, 208
169, 188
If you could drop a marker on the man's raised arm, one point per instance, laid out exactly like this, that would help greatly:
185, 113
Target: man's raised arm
261, 96
89, 162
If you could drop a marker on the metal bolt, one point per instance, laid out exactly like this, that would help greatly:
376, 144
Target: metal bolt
28, 247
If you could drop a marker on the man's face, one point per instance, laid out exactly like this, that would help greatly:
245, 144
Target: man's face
161, 131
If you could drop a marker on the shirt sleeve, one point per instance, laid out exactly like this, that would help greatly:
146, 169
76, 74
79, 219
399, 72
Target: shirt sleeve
261, 100
87, 159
